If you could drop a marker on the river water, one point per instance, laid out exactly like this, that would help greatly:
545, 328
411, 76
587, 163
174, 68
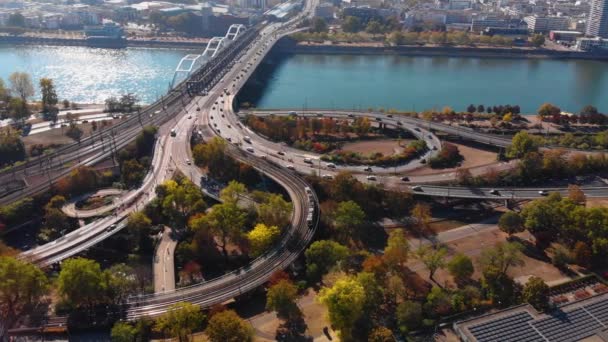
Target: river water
90, 75
419, 83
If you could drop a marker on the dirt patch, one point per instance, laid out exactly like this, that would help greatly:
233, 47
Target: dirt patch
57, 137
473, 157
387, 147
473, 246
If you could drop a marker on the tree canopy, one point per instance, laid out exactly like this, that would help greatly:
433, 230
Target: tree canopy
227, 326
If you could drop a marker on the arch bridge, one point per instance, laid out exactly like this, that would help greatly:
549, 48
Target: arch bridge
193, 62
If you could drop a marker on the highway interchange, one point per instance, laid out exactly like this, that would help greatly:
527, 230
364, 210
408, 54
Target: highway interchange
212, 114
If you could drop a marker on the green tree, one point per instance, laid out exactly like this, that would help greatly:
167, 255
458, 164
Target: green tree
225, 221
138, 226
502, 256
511, 223
123, 332
322, 255
281, 298
461, 268
521, 144
348, 218
233, 192
22, 286
421, 213
536, 292
409, 316
120, 281
397, 249
132, 173
21, 84
81, 282
318, 25
537, 40
18, 109
181, 201
373, 27
49, 95
261, 237
180, 320
344, 301
275, 211
227, 326
351, 24
433, 258
12, 148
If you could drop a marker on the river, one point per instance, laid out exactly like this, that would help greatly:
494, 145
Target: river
90, 75
419, 83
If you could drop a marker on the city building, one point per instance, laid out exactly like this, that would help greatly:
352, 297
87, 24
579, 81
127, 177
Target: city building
568, 36
540, 24
590, 44
597, 22
459, 4
325, 10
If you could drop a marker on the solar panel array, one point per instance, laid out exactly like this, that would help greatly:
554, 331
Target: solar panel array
560, 326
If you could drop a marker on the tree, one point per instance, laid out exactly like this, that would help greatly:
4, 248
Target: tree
81, 282
348, 217
281, 298
433, 258
233, 192
536, 293
132, 173
461, 268
351, 24
521, 144
66, 104
318, 25
409, 316
49, 95
498, 286
576, 194
322, 255
261, 237
344, 301
123, 332
180, 320
547, 109
74, 132
381, 334
373, 27
471, 108
181, 201
422, 215
275, 211
537, 40
120, 282
22, 286
397, 249
12, 148
21, 84
502, 257
511, 223
227, 326
225, 220
18, 109
582, 254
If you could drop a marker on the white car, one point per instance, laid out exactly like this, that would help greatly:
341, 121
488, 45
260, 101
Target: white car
328, 177
249, 149
371, 178
291, 167
543, 192
417, 188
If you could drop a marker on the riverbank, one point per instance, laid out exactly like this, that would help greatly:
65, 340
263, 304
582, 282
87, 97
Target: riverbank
149, 43
288, 45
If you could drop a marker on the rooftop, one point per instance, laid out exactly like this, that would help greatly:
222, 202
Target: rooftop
582, 320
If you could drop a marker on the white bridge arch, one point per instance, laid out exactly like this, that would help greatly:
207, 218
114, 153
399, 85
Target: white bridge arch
192, 62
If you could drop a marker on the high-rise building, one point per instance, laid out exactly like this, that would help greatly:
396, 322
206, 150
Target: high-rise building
597, 22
